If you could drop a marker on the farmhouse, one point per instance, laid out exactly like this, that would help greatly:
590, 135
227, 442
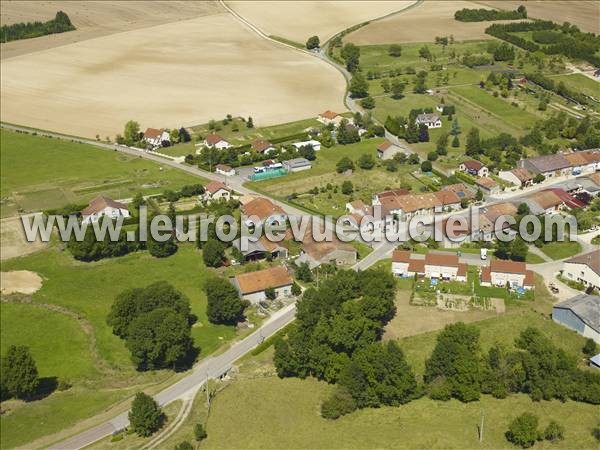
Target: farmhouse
224, 169
297, 164
511, 273
262, 146
474, 167
519, 176
328, 117
215, 190
261, 249
155, 138
429, 119
333, 252
387, 150
261, 211
215, 141
580, 313
316, 145
488, 186
252, 285
104, 207
584, 269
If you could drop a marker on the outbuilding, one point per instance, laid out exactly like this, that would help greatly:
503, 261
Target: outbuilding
297, 164
580, 313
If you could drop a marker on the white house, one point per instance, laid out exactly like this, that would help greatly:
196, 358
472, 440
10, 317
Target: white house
444, 267
584, 269
262, 146
429, 119
316, 145
474, 167
156, 137
252, 285
328, 117
104, 207
224, 169
500, 273
519, 176
215, 141
215, 190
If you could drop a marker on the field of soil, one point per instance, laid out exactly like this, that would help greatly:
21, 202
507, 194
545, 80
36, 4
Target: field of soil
169, 75
584, 14
20, 282
298, 21
421, 24
95, 18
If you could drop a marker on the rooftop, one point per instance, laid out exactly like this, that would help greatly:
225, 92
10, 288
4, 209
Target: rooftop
586, 307
438, 259
472, 164
212, 139
101, 202
486, 182
215, 186
329, 115
262, 208
260, 280
592, 260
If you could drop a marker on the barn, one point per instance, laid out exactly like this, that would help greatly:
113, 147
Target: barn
580, 313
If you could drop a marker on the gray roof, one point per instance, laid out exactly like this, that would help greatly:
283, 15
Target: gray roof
534, 208
588, 185
548, 163
586, 307
297, 162
428, 117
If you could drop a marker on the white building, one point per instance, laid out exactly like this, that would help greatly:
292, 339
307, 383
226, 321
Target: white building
252, 285
501, 273
584, 269
104, 207
224, 169
297, 164
581, 314
429, 119
156, 137
215, 141
328, 117
316, 145
215, 190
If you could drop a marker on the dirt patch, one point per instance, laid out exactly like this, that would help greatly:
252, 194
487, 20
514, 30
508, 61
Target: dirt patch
300, 20
95, 18
20, 282
13, 242
584, 14
421, 24
182, 73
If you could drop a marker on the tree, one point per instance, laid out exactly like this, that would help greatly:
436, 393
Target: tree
523, 209
174, 135
213, 253
368, 102
303, 272
590, 348
270, 293
161, 249
523, 431
504, 52
351, 54
199, 432
131, 133
359, 87
313, 42
338, 404
385, 85
224, 305
395, 50
478, 195
432, 156
473, 142
523, 11
347, 187
249, 123
344, 164
423, 133
442, 144
366, 161
145, 416
308, 152
455, 128
539, 178
18, 372
426, 166
455, 142
425, 53
184, 135
398, 89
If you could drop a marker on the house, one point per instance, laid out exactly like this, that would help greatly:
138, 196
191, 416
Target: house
155, 138
502, 273
474, 167
581, 314
215, 190
224, 169
408, 205
326, 252
297, 164
429, 119
215, 141
444, 267
488, 186
440, 107
584, 269
316, 145
262, 146
404, 265
449, 200
461, 190
252, 285
261, 211
398, 192
519, 176
104, 207
567, 199
328, 117
548, 165
547, 202
387, 150
261, 249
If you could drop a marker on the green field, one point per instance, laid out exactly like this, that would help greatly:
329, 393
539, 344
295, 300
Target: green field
561, 250
41, 173
580, 83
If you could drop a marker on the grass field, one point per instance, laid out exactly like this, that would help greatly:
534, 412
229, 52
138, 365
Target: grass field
561, 250
41, 173
580, 83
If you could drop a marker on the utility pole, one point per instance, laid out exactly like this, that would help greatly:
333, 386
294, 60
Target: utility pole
481, 426
207, 391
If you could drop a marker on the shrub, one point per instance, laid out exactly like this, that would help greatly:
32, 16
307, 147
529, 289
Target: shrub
338, 404
199, 432
523, 431
554, 431
145, 416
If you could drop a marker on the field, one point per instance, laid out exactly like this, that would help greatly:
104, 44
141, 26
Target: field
298, 21
561, 250
84, 351
94, 86
580, 83
421, 24
584, 14
41, 173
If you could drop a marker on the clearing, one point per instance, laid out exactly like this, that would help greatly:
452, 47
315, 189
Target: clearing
93, 87
20, 282
298, 21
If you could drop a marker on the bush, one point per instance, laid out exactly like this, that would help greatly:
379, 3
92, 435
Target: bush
338, 404
185, 445
145, 416
590, 348
270, 293
523, 431
347, 187
554, 431
199, 432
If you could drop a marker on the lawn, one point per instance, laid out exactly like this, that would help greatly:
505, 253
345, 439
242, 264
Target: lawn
561, 250
532, 258
41, 173
580, 83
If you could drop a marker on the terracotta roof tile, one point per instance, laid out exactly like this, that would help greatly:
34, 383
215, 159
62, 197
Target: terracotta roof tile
260, 280
261, 208
215, 186
101, 202
401, 256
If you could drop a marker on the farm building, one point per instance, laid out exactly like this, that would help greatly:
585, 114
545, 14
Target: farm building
297, 164
155, 138
252, 285
333, 252
224, 169
500, 273
474, 167
104, 207
429, 119
580, 313
215, 190
387, 150
563, 164
261, 249
584, 269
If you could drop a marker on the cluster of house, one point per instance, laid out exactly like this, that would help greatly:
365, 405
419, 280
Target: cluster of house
447, 267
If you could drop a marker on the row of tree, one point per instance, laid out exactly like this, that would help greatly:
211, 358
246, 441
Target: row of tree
483, 15
22, 30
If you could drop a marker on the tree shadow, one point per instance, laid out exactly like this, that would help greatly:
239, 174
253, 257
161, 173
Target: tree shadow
188, 361
46, 386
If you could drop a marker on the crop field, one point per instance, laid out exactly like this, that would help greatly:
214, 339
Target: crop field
94, 86
421, 24
297, 21
41, 173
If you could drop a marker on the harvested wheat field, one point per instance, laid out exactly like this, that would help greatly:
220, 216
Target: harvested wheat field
421, 23
584, 14
182, 73
20, 282
95, 18
298, 21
